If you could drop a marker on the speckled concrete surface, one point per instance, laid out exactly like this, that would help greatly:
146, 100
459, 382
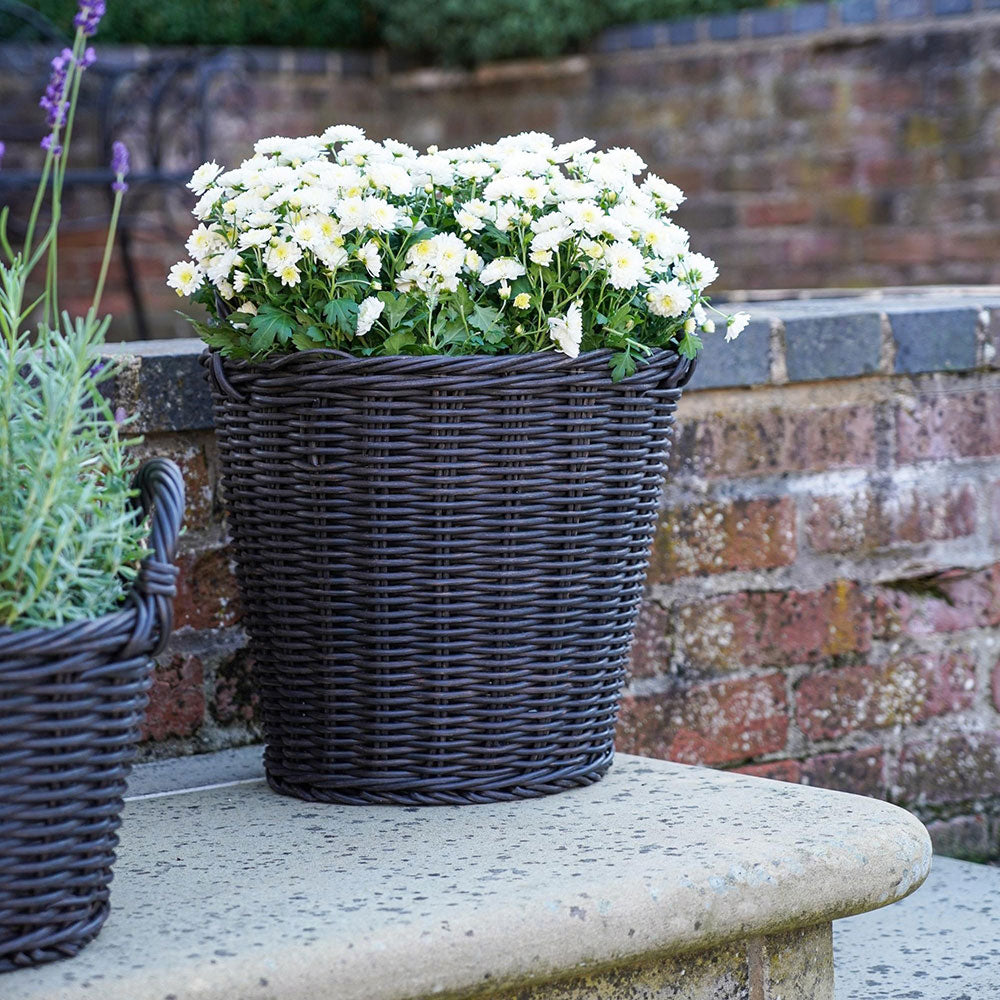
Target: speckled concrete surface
941, 944
236, 892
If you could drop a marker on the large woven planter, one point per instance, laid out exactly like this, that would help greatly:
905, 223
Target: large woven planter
71, 704
441, 560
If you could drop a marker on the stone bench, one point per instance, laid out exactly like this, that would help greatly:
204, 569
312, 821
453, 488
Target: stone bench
662, 880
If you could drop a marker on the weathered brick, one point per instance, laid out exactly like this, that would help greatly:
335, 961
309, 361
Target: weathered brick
822, 347
777, 770
965, 837
778, 212
773, 628
207, 596
856, 771
718, 723
176, 700
835, 703
650, 649
775, 440
947, 425
697, 538
944, 602
869, 519
189, 452
234, 697
956, 767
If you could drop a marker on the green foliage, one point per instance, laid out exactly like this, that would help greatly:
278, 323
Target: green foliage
333, 23
68, 534
451, 32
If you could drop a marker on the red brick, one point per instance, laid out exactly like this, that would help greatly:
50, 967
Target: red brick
837, 702
957, 767
207, 595
950, 601
176, 700
234, 697
868, 520
199, 487
775, 440
774, 628
786, 212
947, 425
650, 649
720, 537
778, 770
718, 723
856, 771
965, 837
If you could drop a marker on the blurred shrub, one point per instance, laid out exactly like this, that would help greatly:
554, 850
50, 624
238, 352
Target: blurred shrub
448, 32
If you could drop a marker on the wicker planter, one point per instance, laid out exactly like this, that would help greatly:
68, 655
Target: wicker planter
441, 560
71, 703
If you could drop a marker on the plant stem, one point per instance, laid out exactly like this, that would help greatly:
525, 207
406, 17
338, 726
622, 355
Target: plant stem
106, 259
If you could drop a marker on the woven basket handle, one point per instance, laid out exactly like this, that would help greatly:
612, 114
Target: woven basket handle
681, 375
161, 492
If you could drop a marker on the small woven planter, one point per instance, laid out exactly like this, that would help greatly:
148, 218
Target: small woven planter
441, 560
71, 704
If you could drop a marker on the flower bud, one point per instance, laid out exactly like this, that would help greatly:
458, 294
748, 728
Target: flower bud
689, 325
449, 200
708, 326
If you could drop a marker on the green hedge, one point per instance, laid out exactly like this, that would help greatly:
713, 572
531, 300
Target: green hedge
447, 32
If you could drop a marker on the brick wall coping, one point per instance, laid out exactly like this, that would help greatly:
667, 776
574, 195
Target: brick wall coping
794, 340
233, 891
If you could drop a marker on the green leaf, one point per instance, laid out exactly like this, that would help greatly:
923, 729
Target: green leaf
622, 365
483, 318
396, 343
269, 325
342, 315
396, 308
689, 345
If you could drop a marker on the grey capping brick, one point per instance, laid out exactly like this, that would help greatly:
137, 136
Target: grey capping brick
991, 4
168, 388
858, 12
743, 361
642, 36
613, 40
685, 31
767, 22
355, 63
946, 8
723, 27
837, 346
905, 10
930, 340
310, 61
808, 17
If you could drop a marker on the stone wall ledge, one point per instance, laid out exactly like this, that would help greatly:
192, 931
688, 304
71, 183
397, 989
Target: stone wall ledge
663, 875
895, 332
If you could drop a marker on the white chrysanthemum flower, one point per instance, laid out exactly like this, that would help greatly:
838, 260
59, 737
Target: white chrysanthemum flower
240, 280
332, 255
369, 255
585, 216
220, 265
736, 324
185, 277
522, 300
205, 205
567, 331
342, 133
390, 176
369, 311
306, 232
699, 270
203, 177
668, 298
449, 253
289, 275
469, 222
540, 257
381, 216
203, 242
254, 238
666, 240
567, 150
501, 269
281, 253
352, 214
669, 196
625, 265
473, 262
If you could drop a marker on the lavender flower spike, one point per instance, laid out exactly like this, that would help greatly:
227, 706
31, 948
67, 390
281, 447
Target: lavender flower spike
3, 149
119, 166
52, 100
89, 16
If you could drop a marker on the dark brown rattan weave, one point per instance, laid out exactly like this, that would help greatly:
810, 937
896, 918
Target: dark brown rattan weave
441, 560
71, 703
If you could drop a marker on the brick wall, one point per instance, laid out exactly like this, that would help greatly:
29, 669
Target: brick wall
824, 145
824, 593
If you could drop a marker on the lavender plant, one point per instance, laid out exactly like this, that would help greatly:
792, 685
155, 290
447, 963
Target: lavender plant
69, 539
